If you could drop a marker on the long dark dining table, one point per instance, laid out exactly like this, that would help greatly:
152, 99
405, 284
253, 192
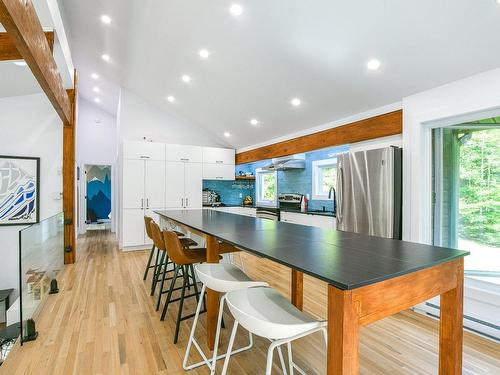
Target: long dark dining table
369, 278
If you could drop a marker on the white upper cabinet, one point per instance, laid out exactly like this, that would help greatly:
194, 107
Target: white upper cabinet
175, 187
133, 184
184, 153
193, 185
154, 184
144, 150
218, 172
214, 155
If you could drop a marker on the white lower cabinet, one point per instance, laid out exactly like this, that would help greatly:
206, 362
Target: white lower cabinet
320, 221
133, 227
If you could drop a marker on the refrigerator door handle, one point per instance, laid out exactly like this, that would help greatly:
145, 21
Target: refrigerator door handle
340, 195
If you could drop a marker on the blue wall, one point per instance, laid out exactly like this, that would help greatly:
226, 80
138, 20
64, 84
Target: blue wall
292, 181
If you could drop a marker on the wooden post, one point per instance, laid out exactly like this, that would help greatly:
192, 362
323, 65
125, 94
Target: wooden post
20, 20
298, 289
69, 181
451, 327
343, 333
213, 298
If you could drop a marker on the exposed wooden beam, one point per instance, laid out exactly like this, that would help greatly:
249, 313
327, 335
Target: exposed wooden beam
371, 128
69, 132
8, 49
20, 20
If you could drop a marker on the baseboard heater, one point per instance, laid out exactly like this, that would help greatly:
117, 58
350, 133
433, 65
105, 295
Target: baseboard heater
471, 319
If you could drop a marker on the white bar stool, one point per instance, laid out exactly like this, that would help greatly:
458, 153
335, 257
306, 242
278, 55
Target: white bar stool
266, 313
221, 278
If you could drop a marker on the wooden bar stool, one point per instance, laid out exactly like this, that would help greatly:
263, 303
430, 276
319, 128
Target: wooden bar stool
147, 223
183, 260
161, 271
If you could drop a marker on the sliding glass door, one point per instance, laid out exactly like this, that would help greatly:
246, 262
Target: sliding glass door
466, 201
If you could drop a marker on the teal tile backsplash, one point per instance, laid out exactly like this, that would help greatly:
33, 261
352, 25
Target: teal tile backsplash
291, 181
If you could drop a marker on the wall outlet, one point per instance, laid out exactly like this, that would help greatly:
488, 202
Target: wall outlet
241, 195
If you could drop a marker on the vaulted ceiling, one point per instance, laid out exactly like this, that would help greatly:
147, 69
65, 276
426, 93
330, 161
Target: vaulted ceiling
274, 51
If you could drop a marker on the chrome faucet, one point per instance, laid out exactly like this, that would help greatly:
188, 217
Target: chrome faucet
332, 190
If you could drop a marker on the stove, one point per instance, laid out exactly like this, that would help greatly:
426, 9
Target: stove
290, 201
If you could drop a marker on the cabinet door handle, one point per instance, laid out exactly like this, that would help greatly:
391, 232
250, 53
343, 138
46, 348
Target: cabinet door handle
184, 159
182, 202
142, 202
187, 204
219, 161
147, 202
144, 157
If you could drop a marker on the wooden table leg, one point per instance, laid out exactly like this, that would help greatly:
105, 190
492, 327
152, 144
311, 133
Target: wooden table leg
451, 327
343, 333
297, 289
213, 298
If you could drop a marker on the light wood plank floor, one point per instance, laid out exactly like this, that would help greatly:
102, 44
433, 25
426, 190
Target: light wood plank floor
103, 321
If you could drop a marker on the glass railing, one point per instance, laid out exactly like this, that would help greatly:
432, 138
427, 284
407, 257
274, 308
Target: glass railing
41, 258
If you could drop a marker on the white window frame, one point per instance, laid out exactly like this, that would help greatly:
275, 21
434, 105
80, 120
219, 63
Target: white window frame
259, 172
317, 165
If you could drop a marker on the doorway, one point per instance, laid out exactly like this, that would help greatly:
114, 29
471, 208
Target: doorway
98, 197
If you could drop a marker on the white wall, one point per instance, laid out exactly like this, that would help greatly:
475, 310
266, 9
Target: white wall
30, 127
139, 119
96, 145
473, 98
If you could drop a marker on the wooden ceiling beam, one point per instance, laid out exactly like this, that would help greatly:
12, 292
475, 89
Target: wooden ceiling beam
374, 127
20, 20
8, 49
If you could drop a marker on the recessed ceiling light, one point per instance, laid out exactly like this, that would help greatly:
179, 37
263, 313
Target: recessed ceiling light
227, 134
20, 63
96, 89
94, 75
295, 102
171, 98
105, 57
236, 9
106, 19
186, 78
254, 121
97, 100
373, 64
204, 53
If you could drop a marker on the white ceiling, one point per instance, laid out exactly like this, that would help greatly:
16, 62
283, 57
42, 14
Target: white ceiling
277, 50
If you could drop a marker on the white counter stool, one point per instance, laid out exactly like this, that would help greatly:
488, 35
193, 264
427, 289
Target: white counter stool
221, 278
266, 313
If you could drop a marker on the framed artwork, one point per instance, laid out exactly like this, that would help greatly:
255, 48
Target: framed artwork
19, 190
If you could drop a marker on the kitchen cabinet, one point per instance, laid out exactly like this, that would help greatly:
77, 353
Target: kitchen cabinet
184, 153
184, 185
215, 155
320, 221
158, 176
218, 172
144, 150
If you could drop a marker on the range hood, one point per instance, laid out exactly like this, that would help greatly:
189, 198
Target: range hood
297, 161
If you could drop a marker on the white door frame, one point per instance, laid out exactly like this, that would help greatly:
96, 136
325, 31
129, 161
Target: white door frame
461, 101
82, 215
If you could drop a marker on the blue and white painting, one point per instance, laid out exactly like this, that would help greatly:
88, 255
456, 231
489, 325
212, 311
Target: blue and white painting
98, 193
19, 190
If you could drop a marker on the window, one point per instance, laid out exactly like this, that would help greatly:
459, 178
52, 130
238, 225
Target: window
266, 187
324, 177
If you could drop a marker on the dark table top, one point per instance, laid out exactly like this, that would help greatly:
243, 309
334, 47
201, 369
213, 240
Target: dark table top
4, 293
343, 259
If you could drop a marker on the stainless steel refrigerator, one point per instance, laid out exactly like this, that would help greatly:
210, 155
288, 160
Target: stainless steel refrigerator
369, 192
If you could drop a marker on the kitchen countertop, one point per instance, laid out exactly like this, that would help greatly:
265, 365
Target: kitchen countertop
345, 260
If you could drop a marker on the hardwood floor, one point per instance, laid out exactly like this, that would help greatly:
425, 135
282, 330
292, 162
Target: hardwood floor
103, 321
